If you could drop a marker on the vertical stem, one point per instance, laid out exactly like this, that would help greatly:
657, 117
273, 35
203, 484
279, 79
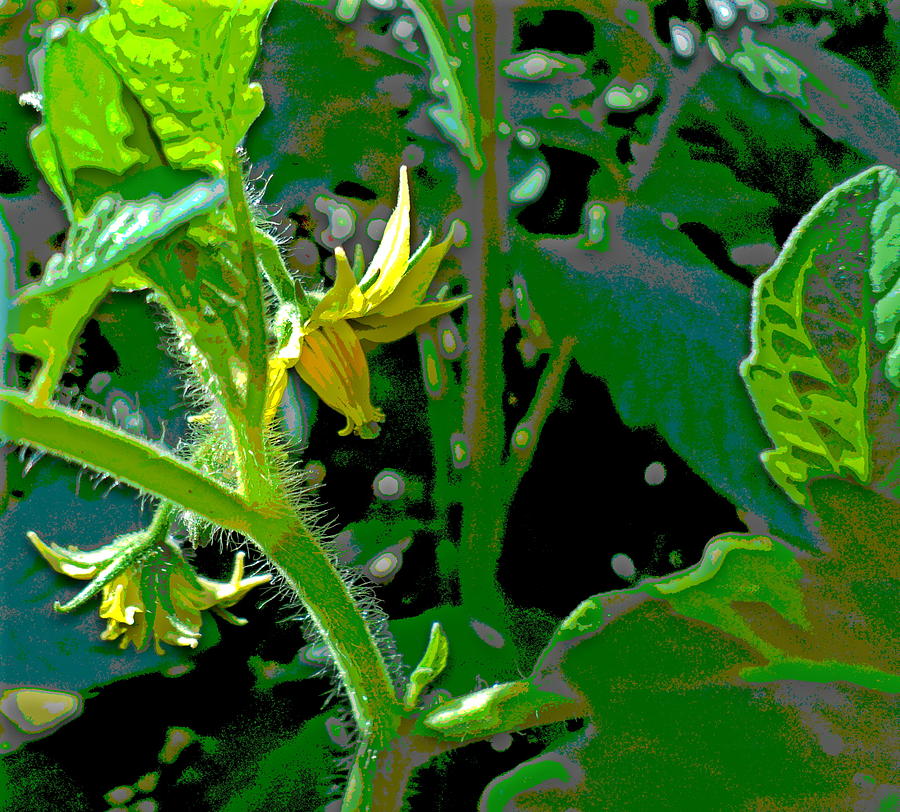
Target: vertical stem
486, 497
249, 449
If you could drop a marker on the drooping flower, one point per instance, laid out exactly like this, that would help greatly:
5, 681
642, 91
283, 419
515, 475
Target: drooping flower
148, 590
359, 311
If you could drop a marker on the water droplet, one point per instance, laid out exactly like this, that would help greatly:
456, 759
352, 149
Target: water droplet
622, 565
375, 228
433, 372
655, 473
404, 28
682, 39
532, 185
388, 484
527, 137
99, 382
488, 634
723, 11
715, 46
448, 123
34, 710
522, 437
177, 738
596, 223
448, 342
464, 22
119, 795
524, 313
501, 742
384, 565
758, 12
341, 219
620, 98
459, 450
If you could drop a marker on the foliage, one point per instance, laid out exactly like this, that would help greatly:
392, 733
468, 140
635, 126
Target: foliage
688, 210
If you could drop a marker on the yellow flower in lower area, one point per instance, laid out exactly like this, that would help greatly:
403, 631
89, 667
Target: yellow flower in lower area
360, 310
148, 592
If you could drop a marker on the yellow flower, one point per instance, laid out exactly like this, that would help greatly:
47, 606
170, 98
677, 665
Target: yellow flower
148, 591
386, 303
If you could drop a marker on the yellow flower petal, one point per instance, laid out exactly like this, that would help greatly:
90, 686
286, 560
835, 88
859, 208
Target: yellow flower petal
344, 299
114, 605
389, 263
81, 564
411, 289
379, 329
334, 365
276, 383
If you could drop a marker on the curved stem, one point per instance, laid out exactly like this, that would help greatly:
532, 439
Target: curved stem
303, 563
104, 448
542, 405
439, 41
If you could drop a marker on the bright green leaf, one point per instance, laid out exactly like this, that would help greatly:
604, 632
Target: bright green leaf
433, 662
825, 321
188, 63
80, 90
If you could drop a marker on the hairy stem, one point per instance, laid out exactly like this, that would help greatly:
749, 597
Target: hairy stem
298, 555
110, 450
249, 450
415, 745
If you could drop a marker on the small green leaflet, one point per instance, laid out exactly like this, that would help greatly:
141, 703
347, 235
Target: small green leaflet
429, 668
116, 230
47, 317
824, 372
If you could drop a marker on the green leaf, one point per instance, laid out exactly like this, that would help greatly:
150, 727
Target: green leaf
825, 342
43, 148
47, 317
746, 655
198, 275
188, 63
46, 325
116, 230
84, 111
433, 662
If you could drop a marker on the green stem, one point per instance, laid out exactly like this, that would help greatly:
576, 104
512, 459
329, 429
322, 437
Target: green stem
484, 496
250, 453
415, 744
545, 399
104, 448
297, 554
